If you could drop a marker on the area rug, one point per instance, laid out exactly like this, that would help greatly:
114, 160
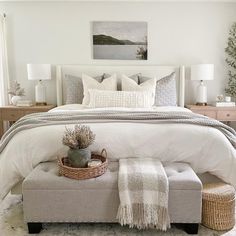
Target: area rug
12, 224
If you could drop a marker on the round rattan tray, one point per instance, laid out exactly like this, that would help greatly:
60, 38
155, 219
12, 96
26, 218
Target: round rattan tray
83, 173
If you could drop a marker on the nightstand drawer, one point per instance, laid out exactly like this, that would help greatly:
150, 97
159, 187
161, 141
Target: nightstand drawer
211, 114
226, 115
11, 115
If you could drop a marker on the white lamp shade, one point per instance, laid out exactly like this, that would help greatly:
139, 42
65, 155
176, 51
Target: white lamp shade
202, 72
39, 71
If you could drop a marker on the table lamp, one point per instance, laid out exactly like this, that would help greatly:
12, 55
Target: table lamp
39, 72
202, 72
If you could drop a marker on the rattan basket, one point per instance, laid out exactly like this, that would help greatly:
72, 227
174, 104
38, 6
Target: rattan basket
218, 206
83, 173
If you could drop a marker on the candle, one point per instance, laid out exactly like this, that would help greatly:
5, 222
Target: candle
94, 162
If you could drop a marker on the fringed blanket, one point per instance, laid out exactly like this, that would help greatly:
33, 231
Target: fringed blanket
143, 190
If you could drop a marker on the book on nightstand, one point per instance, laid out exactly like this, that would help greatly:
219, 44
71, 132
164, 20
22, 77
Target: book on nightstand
224, 104
24, 103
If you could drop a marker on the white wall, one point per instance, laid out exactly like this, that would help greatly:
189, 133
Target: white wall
59, 33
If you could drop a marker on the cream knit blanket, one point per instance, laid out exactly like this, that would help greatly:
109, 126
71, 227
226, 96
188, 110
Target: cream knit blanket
143, 190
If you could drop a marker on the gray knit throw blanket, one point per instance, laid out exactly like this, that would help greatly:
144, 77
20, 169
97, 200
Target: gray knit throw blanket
154, 117
143, 191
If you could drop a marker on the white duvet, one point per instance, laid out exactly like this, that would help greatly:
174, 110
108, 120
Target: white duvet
205, 148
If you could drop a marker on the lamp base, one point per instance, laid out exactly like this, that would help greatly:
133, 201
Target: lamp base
41, 104
40, 94
201, 104
201, 95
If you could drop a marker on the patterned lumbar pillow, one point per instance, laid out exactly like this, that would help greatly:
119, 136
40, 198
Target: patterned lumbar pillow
73, 91
90, 83
165, 94
130, 99
128, 84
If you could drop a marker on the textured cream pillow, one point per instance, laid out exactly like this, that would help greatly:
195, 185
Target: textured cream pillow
109, 83
131, 99
128, 84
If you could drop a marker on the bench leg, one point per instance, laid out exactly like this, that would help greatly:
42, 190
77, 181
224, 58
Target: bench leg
191, 228
34, 228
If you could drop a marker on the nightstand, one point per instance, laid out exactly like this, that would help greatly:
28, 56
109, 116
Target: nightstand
225, 114
13, 113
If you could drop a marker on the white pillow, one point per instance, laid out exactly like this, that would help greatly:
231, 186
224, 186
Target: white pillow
128, 84
131, 99
109, 83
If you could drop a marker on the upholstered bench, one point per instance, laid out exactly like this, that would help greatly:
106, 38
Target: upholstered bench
48, 197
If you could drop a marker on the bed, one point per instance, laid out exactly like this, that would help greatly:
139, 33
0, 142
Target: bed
206, 149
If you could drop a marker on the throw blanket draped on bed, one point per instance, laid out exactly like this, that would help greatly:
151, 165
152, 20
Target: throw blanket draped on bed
57, 118
143, 190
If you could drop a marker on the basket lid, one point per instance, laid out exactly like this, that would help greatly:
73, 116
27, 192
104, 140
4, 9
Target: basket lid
218, 191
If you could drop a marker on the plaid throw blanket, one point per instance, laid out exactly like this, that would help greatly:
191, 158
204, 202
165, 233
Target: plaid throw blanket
143, 190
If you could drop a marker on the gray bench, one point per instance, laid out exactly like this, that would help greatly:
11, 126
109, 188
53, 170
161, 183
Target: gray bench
52, 198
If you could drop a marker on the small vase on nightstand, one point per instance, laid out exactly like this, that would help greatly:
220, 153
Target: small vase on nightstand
15, 99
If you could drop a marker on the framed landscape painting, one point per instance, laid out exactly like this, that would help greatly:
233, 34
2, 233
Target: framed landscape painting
120, 40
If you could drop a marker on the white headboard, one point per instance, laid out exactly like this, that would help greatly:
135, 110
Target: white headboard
95, 70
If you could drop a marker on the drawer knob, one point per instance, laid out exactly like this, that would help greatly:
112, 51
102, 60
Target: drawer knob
228, 115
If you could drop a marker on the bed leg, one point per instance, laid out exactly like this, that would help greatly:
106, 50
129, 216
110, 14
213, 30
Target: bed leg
34, 228
191, 228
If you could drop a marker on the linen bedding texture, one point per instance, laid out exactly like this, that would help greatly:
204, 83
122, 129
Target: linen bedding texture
75, 89
143, 191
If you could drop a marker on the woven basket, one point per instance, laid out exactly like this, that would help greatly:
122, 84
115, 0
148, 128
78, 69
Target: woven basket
83, 173
218, 206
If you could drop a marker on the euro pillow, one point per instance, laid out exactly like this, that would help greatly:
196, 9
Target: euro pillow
129, 99
128, 84
165, 94
166, 91
109, 83
73, 91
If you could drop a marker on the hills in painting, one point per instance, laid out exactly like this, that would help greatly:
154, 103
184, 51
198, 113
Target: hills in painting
102, 39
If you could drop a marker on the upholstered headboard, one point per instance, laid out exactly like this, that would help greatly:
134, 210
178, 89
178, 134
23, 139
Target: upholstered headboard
96, 70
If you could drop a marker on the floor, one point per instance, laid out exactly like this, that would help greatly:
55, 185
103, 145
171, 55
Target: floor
11, 224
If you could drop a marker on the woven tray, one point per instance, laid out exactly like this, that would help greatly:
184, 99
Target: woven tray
83, 173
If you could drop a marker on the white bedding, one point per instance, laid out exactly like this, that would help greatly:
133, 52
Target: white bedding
76, 107
205, 148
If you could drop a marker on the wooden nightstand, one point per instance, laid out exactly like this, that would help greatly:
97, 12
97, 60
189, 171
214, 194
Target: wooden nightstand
225, 114
13, 113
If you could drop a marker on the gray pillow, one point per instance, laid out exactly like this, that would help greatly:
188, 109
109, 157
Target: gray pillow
165, 90
73, 91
